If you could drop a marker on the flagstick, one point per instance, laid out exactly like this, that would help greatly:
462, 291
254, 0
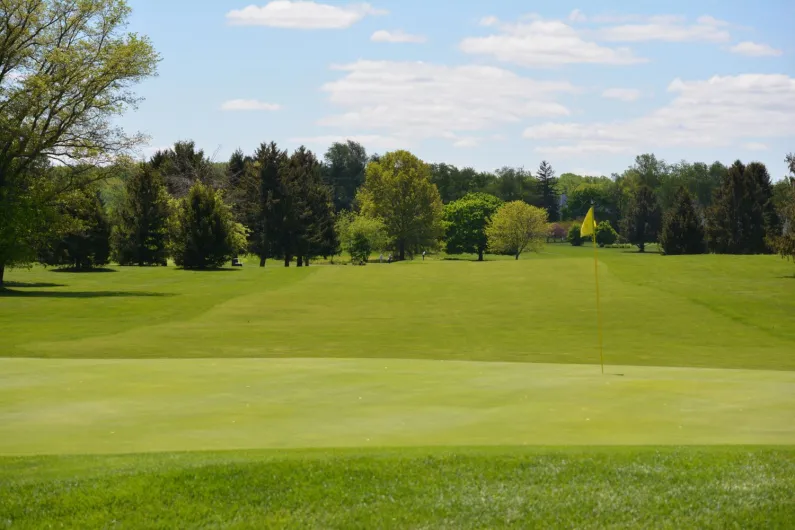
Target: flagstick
598, 305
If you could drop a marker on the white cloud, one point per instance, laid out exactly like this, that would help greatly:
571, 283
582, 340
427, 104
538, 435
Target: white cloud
720, 111
469, 141
397, 36
753, 49
371, 141
756, 146
419, 100
622, 94
545, 43
249, 104
577, 16
301, 15
669, 28
489, 21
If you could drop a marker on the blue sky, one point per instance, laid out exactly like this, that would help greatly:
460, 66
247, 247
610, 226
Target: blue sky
586, 86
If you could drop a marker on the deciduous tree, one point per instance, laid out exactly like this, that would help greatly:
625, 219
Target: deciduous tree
344, 172
517, 227
85, 242
66, 70
398, 190
467, 219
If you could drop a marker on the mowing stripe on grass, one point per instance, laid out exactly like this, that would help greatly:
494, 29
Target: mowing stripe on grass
125, 406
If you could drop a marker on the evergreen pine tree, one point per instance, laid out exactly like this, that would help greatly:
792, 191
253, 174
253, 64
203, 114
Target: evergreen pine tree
141, 225
682, 231
260, 201
203, 231
548, 188
742, 215
642, 222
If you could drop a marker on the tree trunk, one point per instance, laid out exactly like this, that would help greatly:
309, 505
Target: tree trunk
480, 254
306, 261
262, 261
2, 273
401, 251
300, 261
642, 247
287, 260
517, 257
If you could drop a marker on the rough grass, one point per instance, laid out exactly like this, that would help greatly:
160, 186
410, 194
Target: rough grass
476, 488
699, 311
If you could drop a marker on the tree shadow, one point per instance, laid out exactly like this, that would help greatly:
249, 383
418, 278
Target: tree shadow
9, 293
222, 269
84, 271
23, 285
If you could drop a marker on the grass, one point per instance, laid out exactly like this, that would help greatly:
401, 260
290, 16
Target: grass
700, 311
403, 368
135, 406
421, 488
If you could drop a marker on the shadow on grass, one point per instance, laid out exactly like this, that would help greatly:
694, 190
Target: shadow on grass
10, 293
84, 271
473, 260
23, 285
224, 269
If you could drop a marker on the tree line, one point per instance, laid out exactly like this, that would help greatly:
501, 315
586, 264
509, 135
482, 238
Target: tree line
69, 196
296, 207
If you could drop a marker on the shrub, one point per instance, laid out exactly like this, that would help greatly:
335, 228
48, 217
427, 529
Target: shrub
605, 234
574, 236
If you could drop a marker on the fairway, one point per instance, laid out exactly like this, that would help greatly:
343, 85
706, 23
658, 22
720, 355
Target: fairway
469, 391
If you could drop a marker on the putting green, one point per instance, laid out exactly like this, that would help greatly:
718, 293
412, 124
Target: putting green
126, 406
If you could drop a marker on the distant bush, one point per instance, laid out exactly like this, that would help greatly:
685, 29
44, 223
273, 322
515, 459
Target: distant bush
557, 232
574, 235
605, 234
360, 236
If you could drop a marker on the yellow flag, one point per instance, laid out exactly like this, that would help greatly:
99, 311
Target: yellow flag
589, 225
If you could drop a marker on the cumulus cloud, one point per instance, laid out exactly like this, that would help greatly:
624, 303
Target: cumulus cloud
755, 146
577, 16
622, 94
753, 49
372, 141
398, 36
249, 104
301, 15
417, 100
668, 28
720, 111
544, 43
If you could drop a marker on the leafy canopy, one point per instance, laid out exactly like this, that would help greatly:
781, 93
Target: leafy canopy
517, 227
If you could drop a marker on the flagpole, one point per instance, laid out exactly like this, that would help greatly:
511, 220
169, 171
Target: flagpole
598, 305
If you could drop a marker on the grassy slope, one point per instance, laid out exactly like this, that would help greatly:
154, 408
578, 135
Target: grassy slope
133, 406
477, 488
704, 311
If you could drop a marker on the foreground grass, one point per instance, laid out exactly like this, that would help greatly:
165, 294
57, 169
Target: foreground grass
697, 311
476, 488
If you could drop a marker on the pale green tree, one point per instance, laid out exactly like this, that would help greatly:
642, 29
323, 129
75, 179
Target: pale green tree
517, 227
398, 190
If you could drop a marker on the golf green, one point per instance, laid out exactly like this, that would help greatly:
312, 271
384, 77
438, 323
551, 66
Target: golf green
134, 406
